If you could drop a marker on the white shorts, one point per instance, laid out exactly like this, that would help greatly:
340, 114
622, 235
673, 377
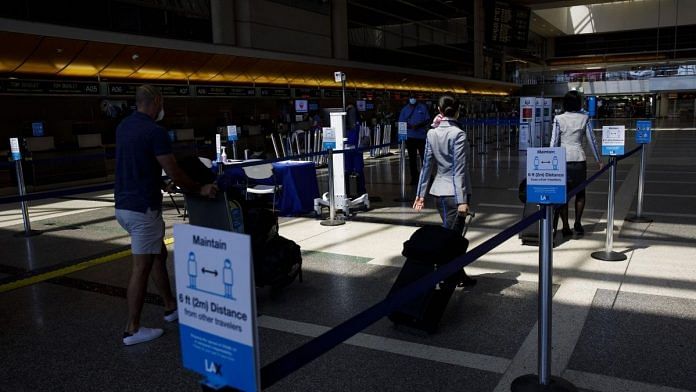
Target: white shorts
146, 230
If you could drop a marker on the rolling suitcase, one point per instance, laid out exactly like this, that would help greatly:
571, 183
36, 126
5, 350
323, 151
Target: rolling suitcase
428, 247
277, 260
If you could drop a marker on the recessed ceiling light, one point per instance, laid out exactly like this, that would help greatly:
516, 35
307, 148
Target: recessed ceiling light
59, 50
135, 56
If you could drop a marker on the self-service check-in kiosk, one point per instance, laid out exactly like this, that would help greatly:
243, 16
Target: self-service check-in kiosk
341, 199
547, 123
527, 105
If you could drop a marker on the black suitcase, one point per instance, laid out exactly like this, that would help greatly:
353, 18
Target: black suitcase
277, 260
427, 248
280, 263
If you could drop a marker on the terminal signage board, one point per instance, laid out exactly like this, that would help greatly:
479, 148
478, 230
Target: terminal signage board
221, 91
167, 90
332, 93
643, 131
216, 306
274, 92
613, 139
307, 93
39, 87
546, 175
507, 24
122, 89
175, 90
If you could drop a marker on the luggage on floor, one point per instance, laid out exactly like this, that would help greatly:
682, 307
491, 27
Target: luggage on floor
428, 248
278, 263
261, 224
277, 260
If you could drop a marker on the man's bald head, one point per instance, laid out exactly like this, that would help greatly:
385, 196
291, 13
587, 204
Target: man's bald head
148, 100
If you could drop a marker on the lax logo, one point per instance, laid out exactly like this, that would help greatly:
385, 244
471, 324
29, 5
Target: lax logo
212, 367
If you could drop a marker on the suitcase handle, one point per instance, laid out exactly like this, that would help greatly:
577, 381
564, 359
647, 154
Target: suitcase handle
470, 215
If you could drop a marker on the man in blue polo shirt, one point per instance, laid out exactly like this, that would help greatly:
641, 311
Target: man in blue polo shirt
417, 118
143, 149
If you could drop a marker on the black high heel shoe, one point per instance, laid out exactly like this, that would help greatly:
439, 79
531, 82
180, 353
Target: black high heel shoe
466, 281
578, 228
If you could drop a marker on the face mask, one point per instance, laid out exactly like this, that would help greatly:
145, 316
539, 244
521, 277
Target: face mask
412, 101
160, 115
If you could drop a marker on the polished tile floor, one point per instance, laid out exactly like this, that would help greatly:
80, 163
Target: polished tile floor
617, 326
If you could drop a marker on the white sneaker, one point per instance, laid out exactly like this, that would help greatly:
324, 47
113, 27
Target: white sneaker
141, 335
171, 316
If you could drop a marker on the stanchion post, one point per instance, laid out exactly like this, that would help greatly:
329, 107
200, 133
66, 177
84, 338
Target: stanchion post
332, 221
402, 173
275, 146
608, 253
639, 218
545, 279
497, 131
544, 381
28, 232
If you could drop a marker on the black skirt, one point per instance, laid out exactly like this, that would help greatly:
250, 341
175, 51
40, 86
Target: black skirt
576, 174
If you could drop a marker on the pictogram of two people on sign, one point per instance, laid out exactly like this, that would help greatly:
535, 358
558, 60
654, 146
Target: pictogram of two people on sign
227, 274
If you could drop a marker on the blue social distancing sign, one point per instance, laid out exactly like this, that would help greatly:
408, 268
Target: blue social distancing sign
613, 140
403, 131
15, 152
643, 131
216, 305
546, 175
328, 138
232, 135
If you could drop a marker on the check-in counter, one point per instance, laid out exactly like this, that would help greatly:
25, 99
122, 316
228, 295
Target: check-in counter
47, 165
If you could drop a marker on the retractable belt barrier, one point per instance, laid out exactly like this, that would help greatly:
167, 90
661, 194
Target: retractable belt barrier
102, 187
301, 356
282, 367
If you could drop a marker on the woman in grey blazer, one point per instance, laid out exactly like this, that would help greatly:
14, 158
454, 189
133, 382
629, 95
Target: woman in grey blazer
446, 144
572, 130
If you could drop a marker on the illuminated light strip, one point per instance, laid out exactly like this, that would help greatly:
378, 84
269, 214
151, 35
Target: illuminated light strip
70, 269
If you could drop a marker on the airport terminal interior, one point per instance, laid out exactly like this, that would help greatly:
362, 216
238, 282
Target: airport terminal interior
303, 111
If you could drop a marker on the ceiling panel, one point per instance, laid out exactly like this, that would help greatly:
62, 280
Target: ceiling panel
28, 54
212, 68
91, 59
129, 60
15, 49
51, 56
